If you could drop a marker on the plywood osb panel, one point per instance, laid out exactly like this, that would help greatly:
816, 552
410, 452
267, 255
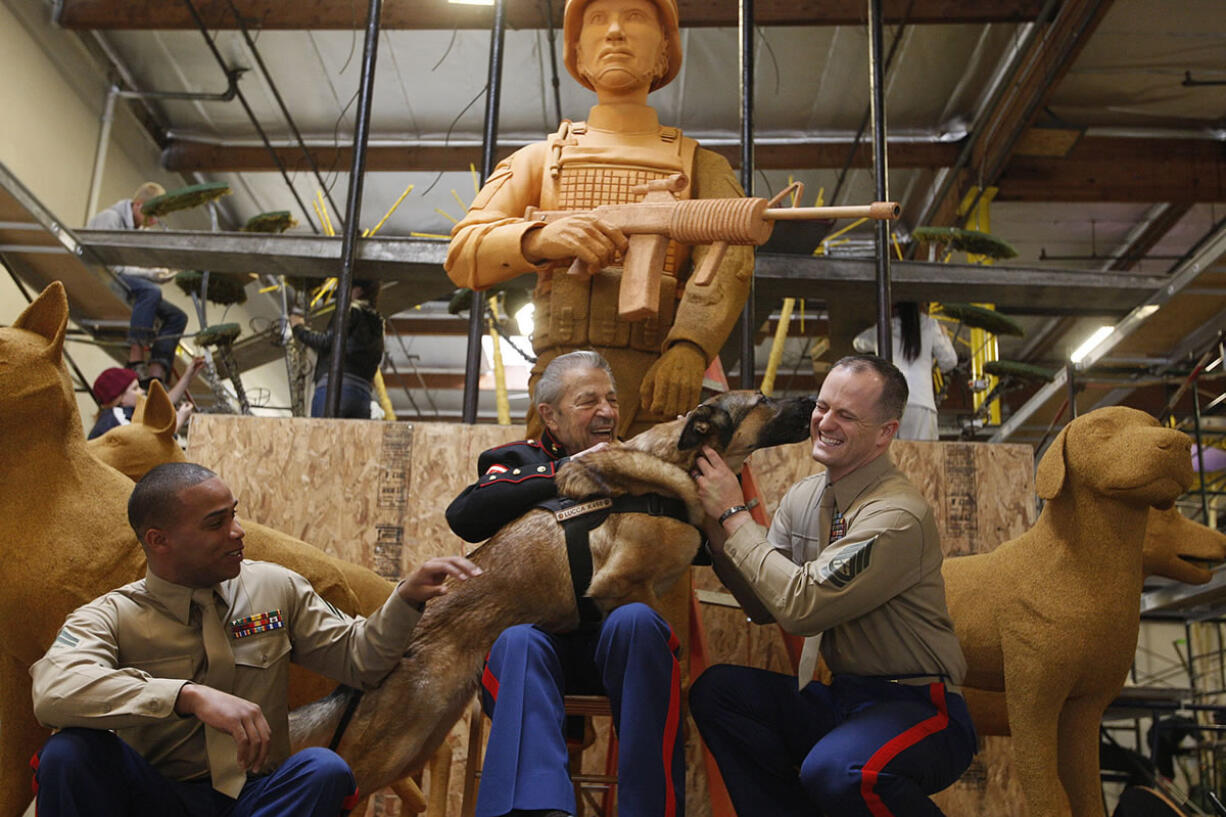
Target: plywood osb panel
374, 493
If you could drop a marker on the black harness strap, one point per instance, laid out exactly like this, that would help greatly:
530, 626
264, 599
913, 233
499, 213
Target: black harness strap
355, 698
578, 519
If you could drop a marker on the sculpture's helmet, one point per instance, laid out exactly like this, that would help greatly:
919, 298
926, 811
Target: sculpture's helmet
573, 23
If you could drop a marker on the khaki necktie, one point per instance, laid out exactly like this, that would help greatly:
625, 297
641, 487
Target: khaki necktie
228, 777
827, 519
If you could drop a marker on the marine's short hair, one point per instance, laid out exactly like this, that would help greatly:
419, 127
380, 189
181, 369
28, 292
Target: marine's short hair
155, 499
553, 380
148, 190
894, 391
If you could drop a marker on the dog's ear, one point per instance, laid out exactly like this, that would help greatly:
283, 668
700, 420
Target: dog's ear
1049, 476
156, 411
697, 428
47, 315
703, 422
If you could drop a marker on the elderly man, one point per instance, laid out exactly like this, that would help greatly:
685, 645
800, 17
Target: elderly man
622, 50
144, 292
190, 668
630, 655
852, 553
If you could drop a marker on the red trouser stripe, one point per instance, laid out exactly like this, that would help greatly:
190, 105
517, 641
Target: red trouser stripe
672, 724
895, 747
490, 683
34, 779
352, 800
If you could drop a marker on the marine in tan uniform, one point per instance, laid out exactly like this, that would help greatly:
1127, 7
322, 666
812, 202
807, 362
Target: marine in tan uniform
622, 50
189, 667
852, 558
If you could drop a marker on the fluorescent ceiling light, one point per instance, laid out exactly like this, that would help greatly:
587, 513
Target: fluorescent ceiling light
471, 2
1091, 343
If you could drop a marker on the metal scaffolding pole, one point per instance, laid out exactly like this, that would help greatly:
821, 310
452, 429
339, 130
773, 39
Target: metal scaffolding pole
353, 211
747, 165
476, 313
885, 342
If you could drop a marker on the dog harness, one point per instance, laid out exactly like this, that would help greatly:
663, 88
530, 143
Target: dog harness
578, 519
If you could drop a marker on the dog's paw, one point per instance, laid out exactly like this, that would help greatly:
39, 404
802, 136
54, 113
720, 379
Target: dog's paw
584, 477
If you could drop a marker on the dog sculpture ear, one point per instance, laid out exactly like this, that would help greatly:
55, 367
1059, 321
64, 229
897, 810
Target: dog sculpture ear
156, 411
47, 315
1049, 476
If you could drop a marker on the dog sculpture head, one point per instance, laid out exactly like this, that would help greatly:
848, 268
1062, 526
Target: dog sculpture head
147, 441
736, 423
1118, 453
1171, 540
34, 388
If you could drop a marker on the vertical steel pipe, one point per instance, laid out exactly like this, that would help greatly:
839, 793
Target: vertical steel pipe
747, 168
476, 312
353, 212
885, 340
1071, 375
104, 141
1200, 445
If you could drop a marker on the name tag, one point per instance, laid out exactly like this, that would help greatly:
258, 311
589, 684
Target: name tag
258, 623
582, 508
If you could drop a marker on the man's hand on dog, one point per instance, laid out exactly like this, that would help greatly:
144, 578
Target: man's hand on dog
719, 490
427, 581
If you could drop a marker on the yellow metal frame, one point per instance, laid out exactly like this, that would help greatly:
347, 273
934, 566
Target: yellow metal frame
984, 346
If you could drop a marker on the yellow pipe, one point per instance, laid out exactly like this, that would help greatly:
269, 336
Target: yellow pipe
984, 345
389, 413
781, 334
502, 404
388, 214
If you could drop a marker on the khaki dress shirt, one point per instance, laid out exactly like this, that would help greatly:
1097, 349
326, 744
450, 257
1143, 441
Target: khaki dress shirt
119, 662
876, 594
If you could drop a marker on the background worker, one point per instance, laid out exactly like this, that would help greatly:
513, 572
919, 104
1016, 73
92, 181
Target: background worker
144, 289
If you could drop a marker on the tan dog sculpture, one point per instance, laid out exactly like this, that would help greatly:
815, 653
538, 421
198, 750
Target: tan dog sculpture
64, 527
1051, 618
634, 558
1171, 542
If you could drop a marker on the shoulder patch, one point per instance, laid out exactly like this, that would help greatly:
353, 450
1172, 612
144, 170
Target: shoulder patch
65, 639
846, 563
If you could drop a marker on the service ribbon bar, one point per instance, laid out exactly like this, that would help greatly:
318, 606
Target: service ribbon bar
258, 623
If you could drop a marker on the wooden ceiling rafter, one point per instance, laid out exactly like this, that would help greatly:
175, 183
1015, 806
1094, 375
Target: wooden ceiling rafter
521, 14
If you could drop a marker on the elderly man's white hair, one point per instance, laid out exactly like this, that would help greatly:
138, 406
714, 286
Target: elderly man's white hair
553, 379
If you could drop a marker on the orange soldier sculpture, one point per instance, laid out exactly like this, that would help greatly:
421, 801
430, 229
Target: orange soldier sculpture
622, 50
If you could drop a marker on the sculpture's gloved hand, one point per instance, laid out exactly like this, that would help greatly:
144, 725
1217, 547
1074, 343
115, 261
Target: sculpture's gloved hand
673, 384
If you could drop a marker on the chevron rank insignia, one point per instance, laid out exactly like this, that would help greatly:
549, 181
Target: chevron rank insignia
847, 563
258, 623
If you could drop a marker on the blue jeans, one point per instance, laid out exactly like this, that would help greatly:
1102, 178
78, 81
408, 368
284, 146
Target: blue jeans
148, 306
92, 772
355, 398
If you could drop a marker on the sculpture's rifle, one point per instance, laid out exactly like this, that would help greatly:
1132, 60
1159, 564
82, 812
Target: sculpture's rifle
650, 223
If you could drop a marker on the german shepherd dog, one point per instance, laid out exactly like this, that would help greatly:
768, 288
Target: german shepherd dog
527, 579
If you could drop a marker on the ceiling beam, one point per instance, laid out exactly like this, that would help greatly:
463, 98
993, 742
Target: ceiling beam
414, 14
188, 156
1103, 168
1099, 168
995, 140
1206, 253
